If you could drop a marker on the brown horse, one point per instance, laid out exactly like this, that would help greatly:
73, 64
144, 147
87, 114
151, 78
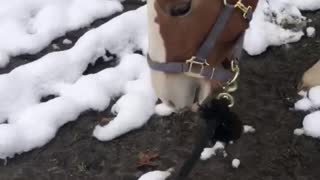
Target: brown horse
177, 29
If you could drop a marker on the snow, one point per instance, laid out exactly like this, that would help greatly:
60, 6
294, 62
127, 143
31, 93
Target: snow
235, 163
311, 32
209, 152
25, 28
306, 4
163, 110
248, 129
311, 124
32, 124
277, 22
156, 175
28, 26
311, 102
298, 132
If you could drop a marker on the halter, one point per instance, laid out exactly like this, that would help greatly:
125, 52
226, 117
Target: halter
198, 67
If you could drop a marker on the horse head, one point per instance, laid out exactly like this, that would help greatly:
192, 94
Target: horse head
177, 29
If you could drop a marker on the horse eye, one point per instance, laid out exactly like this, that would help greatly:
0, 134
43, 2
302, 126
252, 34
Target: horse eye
180, 9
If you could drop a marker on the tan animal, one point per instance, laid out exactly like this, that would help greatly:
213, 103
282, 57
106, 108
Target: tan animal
311, 77
177, 30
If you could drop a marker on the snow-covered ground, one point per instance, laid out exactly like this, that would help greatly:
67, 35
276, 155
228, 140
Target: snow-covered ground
311, 123
27, 123
27, 26
276, 22
30, 25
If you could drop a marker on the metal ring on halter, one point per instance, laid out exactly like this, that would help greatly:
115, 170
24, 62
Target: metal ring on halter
228, 97
231, 85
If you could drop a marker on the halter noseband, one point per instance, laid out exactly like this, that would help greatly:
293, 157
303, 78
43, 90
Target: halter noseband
199, 61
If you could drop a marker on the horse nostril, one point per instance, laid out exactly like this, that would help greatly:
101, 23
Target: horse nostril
180, 9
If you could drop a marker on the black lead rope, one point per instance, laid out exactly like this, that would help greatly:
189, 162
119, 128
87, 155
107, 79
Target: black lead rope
196, 153
218, 123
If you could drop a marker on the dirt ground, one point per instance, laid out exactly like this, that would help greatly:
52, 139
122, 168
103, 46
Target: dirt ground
272, 153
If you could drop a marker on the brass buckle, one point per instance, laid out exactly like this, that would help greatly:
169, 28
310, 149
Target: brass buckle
241, 6
193, 63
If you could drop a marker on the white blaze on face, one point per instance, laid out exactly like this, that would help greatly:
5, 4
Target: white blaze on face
156, 44
175, 90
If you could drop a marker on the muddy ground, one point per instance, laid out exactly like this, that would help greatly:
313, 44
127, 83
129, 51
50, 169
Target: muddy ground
272, 153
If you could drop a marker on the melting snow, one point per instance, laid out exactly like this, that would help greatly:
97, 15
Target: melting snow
156, 175
28, 26
235, 163
32, 124
248, 129
25, 29
209, 152
311, 32
311, 102
298, 132
270, 25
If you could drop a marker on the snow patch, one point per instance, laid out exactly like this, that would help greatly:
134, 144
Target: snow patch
32, 124
311, 32
306, 4
235, 163
248, 129
311, 102
275, 22
28, 26
298, 132
156, 175
163, 109
207, 153
311, 124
